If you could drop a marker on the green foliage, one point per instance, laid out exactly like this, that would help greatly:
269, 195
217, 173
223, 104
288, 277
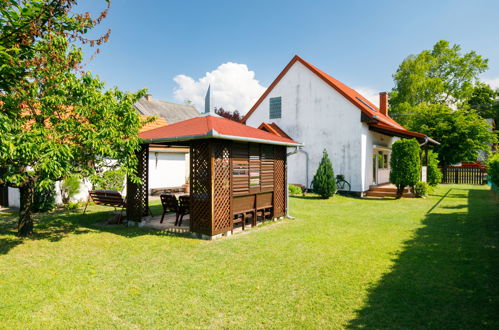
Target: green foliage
294, 190
422, 189
72, 206
110, 180
70, 186
433, 174
405, 164
324, 182
55, 119
493, 168
44, 199
442, 75
461, 133
485, 101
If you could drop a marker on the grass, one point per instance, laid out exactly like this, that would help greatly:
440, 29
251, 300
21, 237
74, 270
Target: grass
343, 263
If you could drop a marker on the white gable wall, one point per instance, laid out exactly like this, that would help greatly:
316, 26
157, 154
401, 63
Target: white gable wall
167, 168
316, 115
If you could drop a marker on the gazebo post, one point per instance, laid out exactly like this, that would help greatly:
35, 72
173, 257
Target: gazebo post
138, 193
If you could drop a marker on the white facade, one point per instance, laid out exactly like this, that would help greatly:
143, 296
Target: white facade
167, 168
317, 115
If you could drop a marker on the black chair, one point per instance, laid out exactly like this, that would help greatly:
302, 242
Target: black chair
170, 204
183, 209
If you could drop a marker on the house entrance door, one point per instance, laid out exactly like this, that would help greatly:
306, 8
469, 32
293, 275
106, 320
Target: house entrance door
381, 166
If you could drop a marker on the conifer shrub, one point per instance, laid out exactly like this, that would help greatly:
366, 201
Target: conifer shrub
405, 164
324, 182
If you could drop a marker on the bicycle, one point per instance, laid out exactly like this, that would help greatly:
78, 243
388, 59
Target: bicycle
342, 185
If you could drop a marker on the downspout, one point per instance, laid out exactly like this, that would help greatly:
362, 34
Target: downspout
306, 167
286, 183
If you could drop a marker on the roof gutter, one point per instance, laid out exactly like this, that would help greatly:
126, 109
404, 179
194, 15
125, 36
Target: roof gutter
213, 134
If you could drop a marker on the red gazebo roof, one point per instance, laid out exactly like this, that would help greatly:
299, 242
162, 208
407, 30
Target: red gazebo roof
213, 127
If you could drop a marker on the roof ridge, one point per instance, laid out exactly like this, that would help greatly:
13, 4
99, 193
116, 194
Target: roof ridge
333, 82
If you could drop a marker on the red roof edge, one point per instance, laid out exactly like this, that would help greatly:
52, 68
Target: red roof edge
274, 129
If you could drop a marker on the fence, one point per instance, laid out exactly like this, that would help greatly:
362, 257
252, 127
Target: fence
464, 174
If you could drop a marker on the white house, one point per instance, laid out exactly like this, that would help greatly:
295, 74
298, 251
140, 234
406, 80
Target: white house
312, 107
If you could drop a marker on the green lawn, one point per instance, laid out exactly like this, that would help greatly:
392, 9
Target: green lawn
342, 263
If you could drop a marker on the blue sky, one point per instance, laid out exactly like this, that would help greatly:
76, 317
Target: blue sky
358, 42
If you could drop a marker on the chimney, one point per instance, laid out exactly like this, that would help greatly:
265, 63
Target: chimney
383, 103
148, 97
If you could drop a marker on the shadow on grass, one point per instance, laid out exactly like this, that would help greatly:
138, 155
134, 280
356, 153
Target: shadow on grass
56, 225
448, 274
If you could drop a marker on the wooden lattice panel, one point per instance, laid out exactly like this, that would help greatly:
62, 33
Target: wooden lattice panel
137, 194
221, 187
200, 187
279, 181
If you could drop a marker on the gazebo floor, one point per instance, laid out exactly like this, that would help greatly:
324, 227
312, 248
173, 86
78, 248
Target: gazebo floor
169, 224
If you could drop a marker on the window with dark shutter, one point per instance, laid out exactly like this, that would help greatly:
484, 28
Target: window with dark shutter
275, 108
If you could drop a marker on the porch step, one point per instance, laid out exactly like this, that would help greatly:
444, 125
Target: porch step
372, 193
387, 189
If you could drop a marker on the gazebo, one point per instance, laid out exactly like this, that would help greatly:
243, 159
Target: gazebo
234, 169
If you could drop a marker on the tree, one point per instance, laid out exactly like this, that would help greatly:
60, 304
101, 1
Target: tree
55, 120
461, 133
235, 115
24, 22
493, 169
433, 174
442, 75
485, 101
324, 182
405, 164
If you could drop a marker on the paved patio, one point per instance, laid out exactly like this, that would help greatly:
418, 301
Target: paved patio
169, 224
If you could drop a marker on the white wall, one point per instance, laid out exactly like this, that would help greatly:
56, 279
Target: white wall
316, 115
167, 169
14, 200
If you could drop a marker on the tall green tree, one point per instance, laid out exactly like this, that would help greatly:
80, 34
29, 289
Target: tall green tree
485, 101
461, 133
56, 120
442, 75
405, 164
324, 182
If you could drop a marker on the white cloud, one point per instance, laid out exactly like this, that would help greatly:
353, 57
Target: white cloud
369, 93
233, 87
492, 82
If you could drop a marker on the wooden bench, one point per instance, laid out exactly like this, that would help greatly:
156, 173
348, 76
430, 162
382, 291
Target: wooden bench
264, 205
243, 208
108, 198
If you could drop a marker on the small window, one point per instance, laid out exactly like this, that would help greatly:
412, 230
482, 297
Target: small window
275, 107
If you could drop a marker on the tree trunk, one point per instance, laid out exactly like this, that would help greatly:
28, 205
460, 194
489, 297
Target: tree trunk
400, 191
27, 192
